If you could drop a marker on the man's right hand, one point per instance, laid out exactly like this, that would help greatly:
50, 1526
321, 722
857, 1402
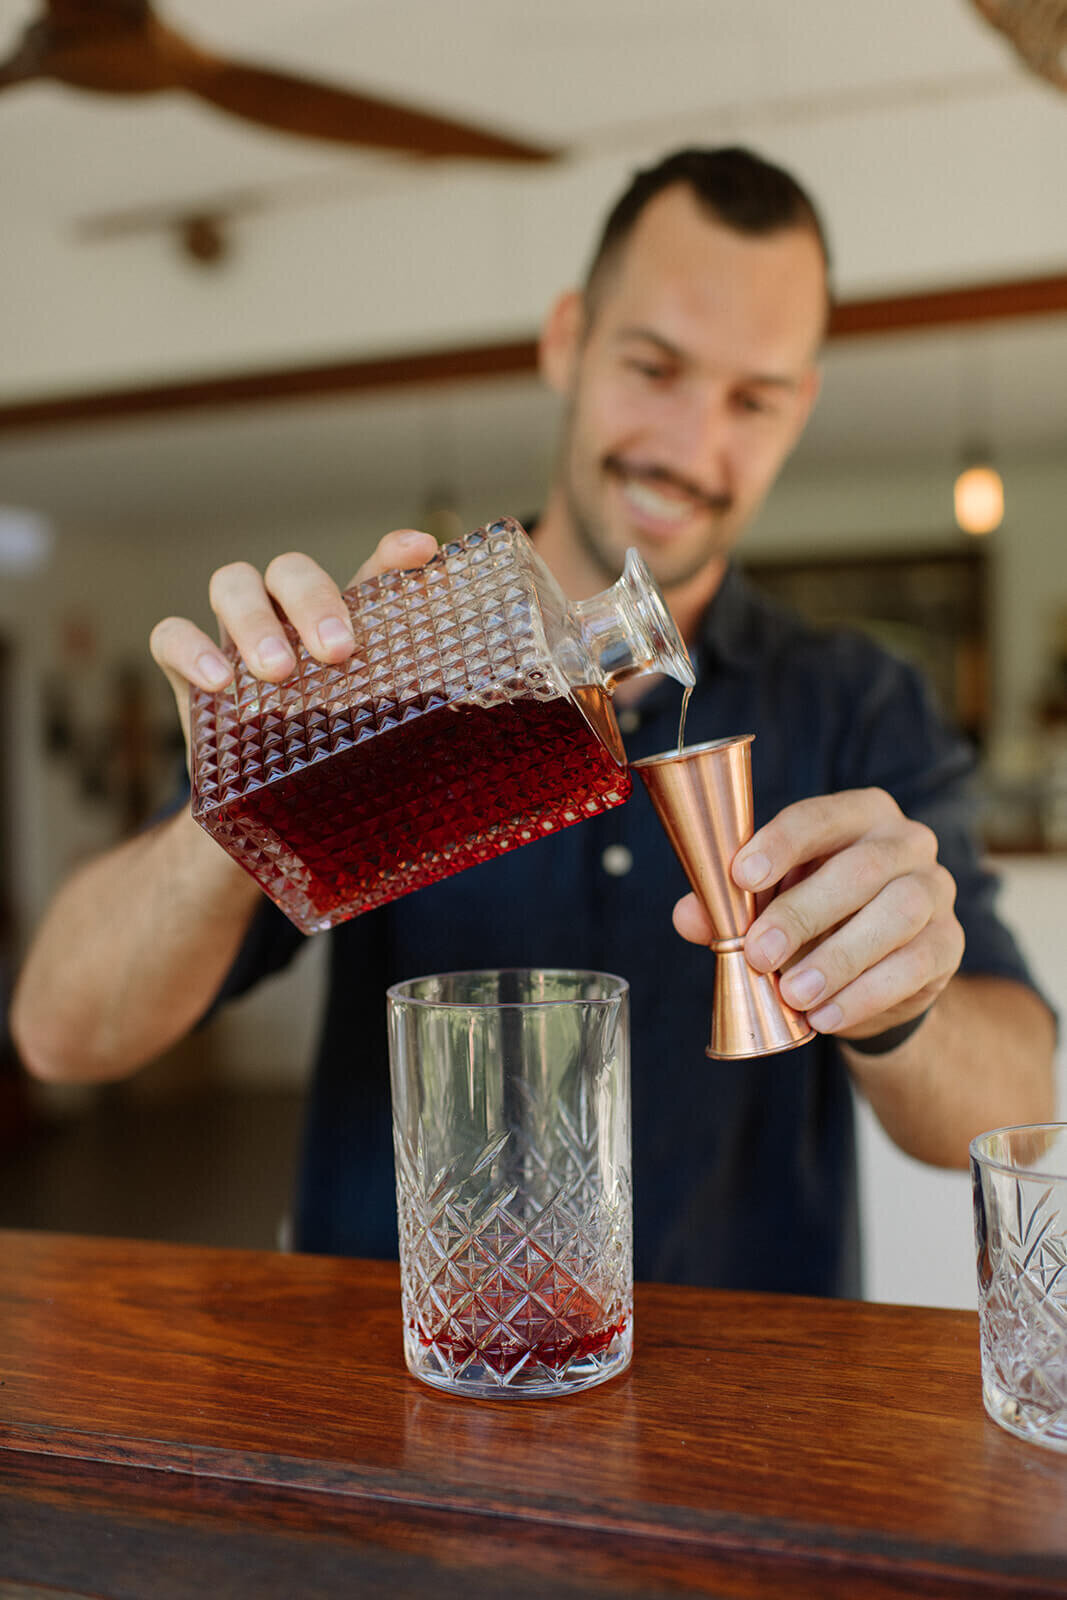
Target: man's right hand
133, 949
248, 605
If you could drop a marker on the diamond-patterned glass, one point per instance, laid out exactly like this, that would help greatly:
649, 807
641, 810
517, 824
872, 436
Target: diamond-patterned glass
512, 1141
461, 727
1020, 1208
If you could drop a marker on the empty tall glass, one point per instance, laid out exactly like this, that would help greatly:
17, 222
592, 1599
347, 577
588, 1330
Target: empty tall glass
511, 1124
1020, 1224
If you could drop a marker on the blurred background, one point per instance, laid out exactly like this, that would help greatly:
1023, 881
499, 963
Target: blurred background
277, 314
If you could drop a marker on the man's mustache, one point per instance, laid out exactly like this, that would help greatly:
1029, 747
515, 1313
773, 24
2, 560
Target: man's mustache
652, 474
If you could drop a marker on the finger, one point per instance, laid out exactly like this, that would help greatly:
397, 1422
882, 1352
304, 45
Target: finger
819, 826
692, 922
312, 601
847, 881
187, 655
891, 920
403, 548
896, 988
240, 601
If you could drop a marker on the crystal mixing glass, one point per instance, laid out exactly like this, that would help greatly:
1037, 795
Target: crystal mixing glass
511, 1127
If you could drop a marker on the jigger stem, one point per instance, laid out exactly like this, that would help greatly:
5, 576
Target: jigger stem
703, 797
748, 1015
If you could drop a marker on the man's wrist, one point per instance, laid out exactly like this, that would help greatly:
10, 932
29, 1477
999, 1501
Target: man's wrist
879, 1044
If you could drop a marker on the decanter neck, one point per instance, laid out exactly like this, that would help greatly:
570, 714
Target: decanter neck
628, 629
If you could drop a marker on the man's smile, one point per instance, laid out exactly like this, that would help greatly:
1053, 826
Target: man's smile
658, 500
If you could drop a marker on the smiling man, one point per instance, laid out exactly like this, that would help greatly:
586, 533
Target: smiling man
687, 369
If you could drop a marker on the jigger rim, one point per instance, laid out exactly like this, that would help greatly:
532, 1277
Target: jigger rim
691, 751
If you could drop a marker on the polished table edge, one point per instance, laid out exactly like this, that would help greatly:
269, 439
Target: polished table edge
707, 1529
491, 1555
722, 1535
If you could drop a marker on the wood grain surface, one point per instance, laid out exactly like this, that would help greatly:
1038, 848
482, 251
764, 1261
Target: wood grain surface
248, 1415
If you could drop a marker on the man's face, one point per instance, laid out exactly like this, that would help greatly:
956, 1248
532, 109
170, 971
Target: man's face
687, 387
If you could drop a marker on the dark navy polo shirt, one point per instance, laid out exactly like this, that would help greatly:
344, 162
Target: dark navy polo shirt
744, 1172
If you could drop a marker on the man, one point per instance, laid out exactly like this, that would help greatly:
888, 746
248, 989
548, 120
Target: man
687, 370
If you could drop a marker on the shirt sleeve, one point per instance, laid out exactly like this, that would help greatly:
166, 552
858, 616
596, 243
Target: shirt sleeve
270, 944
901, 743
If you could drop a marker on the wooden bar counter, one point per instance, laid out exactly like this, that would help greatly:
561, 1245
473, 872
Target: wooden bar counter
177, 1421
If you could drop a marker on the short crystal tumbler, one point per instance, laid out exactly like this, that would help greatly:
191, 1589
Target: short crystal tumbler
511, 1127
1020, 1224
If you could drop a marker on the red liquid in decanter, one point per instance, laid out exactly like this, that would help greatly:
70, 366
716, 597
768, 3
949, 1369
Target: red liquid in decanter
437, 792
458, 729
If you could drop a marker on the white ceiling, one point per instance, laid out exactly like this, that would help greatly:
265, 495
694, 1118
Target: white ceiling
594, 76
938, 159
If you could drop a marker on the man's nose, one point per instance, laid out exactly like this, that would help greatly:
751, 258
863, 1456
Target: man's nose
703, 438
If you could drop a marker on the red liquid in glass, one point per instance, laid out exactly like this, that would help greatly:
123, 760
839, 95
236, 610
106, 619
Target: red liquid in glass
552, 1330
341, 830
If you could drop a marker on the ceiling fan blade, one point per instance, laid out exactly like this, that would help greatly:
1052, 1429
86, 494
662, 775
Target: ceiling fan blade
103, 45
27, 60
11, 74
319, 111
1038, 31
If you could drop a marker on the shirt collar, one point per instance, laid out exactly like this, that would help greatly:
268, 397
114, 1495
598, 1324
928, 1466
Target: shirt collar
730, 633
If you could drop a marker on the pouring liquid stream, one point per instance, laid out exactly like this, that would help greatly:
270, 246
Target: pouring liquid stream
686, 692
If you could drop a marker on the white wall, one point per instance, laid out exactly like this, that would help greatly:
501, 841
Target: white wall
909, 507
917, 1224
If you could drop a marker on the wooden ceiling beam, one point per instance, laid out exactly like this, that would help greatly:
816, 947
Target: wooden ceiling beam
946, 308
929, 310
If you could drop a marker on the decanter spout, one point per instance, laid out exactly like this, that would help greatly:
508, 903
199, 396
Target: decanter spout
628, 629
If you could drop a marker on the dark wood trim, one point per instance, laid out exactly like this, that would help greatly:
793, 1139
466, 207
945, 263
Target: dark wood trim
281, 383
943, 308
851, 319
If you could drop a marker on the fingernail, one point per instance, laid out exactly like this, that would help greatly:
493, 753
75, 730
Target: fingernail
274, 652
752, 871
801, 988
826, 1018
772, 946
213, 668
333, 633
408, 541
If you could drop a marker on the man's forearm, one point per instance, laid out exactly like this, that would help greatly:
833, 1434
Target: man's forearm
981, 1059
130, 954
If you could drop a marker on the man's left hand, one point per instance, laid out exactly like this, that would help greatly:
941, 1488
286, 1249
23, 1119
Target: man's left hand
861, 925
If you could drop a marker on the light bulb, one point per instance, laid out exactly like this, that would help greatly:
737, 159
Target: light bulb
26, 540
978, 497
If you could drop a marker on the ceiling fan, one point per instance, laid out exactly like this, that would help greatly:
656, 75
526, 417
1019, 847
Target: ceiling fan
1037, 29
122, 47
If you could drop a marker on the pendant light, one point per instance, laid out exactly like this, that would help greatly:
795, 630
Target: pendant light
978, 495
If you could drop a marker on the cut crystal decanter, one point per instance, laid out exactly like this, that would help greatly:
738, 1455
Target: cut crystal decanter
473, 716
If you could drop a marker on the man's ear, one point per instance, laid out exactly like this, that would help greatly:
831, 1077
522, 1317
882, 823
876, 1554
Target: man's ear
561, 337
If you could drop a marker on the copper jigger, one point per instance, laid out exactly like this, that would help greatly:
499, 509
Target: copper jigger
703, 797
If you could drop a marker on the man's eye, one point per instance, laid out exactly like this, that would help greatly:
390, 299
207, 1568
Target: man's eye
756, 404
654, 370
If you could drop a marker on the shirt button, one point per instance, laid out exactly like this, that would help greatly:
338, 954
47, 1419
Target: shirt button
617, 860
629, 720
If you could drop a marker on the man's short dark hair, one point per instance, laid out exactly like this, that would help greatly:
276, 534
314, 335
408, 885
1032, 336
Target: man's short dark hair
736, 187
